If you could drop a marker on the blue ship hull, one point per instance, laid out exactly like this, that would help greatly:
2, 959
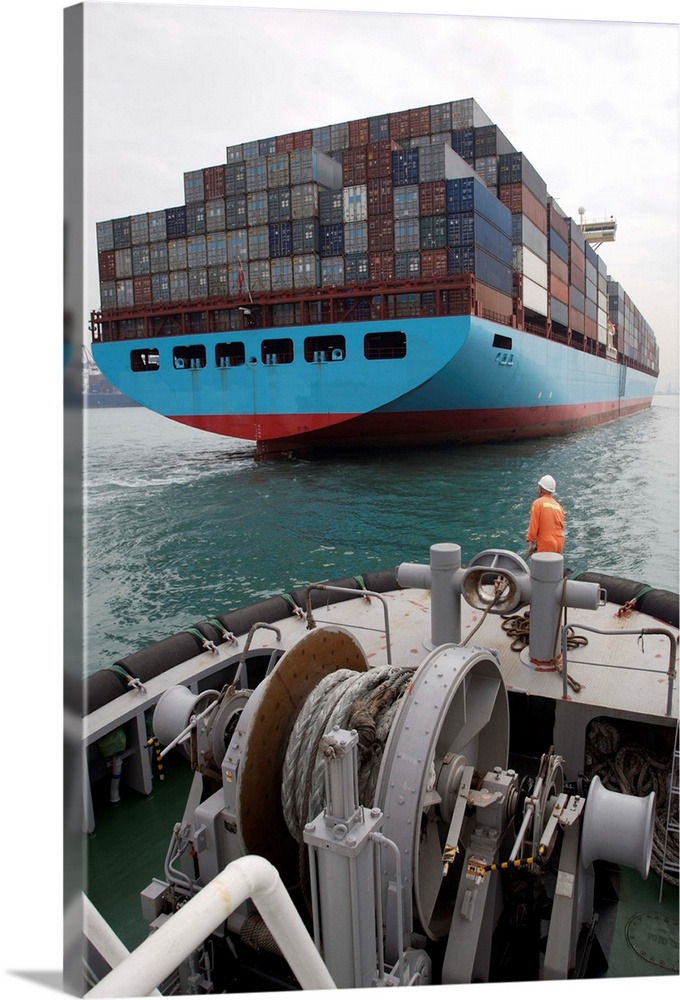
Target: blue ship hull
452, 379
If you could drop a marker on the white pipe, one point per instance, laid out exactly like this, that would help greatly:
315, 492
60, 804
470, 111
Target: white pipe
251, 877
103, 938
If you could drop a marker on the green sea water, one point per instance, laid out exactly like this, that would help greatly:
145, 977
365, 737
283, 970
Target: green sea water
181, 525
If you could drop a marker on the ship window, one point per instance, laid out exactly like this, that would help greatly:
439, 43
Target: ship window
230, 355
277, 352
331, 348
192, 356
378, 346
145, 360
504, 343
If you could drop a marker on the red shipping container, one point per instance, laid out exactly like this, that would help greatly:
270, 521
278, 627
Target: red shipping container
577, 278
590, 328
559, 289
302, 140
558, 268
358, 132
353, 167
495, 305
400, 125
419, 121
577, 258
558, 223
107, 265
432, 198
381, 267
380, 233
434, 263
519, 199
214, 182
285, 143
379, 196
379, 158
141, 290
576, 320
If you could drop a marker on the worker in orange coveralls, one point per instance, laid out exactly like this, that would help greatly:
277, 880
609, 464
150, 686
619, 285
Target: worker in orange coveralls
546, 523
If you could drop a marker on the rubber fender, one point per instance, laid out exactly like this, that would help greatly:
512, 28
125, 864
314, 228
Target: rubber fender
241, 620
661, 604
209, 631
102, 687
321, 597
381, 581
153, 660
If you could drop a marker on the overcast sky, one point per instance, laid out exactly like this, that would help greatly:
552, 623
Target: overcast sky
593, 105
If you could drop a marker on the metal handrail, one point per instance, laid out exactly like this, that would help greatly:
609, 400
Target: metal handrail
639, 632
349, 590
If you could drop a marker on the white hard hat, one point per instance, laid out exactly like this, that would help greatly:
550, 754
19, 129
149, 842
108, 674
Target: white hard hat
548, 484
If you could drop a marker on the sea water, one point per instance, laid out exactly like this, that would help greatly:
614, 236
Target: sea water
181, 525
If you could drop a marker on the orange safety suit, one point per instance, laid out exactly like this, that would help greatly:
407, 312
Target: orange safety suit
546, 524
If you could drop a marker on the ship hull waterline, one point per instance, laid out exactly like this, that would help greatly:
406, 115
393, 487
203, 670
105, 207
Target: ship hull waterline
453, 384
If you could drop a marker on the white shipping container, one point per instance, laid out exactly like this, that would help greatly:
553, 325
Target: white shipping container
535, 297
354, 203
531, 266
125, 293
529, 235
123, 260
602, 326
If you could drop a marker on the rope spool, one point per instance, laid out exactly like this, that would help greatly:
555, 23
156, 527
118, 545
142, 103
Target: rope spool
365, 702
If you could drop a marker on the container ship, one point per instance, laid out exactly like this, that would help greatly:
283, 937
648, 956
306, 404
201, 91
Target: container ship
397, 280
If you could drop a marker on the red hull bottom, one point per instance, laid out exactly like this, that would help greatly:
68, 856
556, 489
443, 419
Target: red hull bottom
291, 434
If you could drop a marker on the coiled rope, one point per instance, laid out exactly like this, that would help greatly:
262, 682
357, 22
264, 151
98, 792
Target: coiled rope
629, 768
366, 702
518, 627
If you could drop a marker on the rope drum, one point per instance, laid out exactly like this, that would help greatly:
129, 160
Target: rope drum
365, 702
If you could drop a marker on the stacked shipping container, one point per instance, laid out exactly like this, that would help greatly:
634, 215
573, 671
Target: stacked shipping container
423, 193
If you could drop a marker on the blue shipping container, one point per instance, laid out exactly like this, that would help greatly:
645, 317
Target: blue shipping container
467, 194
472, 229
486, 268
281, 240
405, 169
332, 240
